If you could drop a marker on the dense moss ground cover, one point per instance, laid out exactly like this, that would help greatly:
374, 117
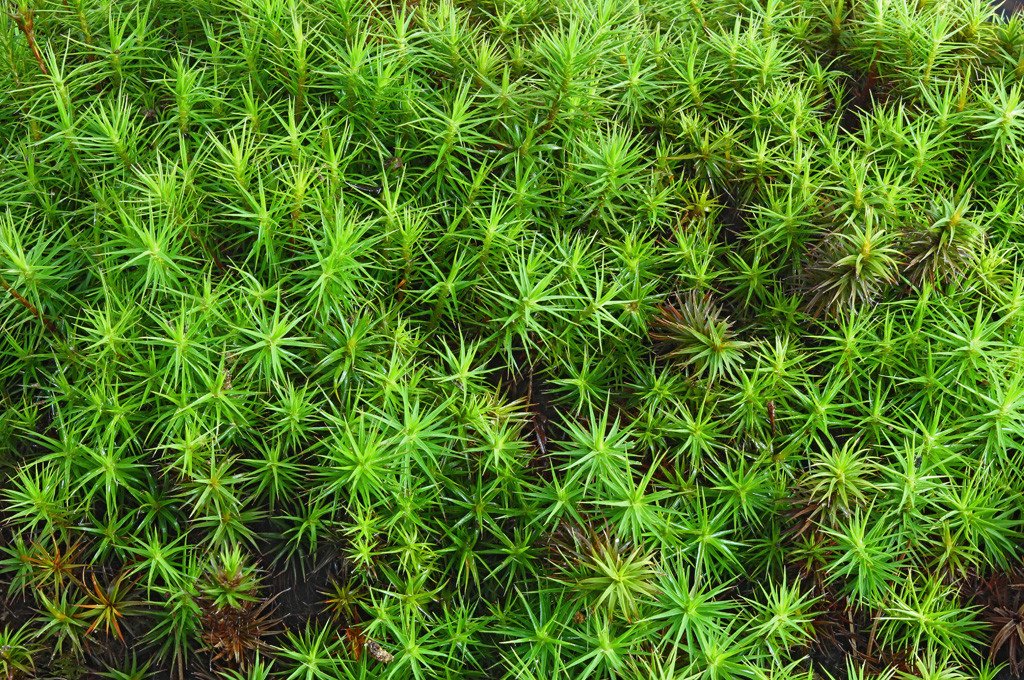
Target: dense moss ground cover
511, 339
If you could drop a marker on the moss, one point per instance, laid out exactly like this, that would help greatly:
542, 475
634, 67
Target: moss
562, 338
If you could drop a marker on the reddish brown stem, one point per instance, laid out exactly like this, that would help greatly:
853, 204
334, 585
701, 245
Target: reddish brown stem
212, 251
29, 306
25, 19
874, 631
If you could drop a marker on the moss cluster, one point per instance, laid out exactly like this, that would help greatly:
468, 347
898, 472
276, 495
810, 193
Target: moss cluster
511, 339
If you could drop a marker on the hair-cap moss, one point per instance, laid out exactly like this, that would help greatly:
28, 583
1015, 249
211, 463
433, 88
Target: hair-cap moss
511, 339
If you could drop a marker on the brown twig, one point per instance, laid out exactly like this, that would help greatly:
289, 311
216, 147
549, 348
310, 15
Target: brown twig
874, 632
29, 306
24, 17
853, 630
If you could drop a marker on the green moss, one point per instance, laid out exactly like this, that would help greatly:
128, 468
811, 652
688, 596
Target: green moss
511, 339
